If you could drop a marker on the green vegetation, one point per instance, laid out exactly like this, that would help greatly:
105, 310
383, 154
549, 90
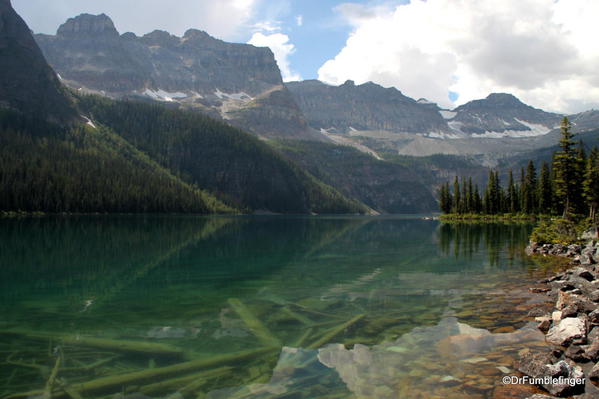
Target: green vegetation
569, 188
238, 168
559, 231
141, 158
383, 185
48, 168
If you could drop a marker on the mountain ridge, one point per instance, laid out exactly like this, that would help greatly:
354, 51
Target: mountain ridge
35, 90
239, 83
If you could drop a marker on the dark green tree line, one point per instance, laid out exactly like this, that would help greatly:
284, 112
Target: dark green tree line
570, 186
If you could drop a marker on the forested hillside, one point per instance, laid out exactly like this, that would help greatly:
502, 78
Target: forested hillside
385, 186
237, 167
48, 168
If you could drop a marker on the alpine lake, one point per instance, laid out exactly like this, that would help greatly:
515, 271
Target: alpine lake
264, 307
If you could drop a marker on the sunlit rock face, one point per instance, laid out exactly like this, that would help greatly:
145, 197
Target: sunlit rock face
238, 82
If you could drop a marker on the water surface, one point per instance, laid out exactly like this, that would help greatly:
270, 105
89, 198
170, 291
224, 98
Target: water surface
262, 307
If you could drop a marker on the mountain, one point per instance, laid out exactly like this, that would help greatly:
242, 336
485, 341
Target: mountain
132, 157
501, 115
382, 121
585, 121
236, 82
346, 108
237, 167
382, 185
27, 84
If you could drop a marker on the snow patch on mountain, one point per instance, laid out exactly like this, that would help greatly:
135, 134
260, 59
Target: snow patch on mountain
241, 96
443, 135
535, 130
447, 114
162, 95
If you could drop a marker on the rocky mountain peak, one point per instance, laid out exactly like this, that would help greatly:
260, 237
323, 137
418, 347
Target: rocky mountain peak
27, 83
88, 24
160, 38
503, 99
196, 34
238, 82
501, 115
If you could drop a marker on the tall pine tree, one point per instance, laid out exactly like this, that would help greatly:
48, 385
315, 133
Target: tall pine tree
529, 190
591, 183
545, 191
565, 176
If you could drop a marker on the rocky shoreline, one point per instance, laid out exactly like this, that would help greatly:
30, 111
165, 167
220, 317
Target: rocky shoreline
570, 365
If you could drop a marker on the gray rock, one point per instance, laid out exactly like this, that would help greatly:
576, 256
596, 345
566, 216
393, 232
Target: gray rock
566, 331
534, 364
594, 316
594, 334
569, 311
563, 369
576, 353
592, 351
587, 260
544, 325
594, 373
584, 273
575, 302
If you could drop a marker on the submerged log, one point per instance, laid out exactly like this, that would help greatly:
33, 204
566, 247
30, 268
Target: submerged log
327, 337
255, 325
187, 383
144, 348
119, 382
303, 337
52, 379
298, 317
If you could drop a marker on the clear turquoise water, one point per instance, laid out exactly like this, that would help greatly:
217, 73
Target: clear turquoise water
343, 307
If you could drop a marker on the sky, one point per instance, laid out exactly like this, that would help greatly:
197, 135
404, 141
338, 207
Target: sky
448, 51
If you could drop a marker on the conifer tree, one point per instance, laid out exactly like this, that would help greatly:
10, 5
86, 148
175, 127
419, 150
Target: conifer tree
478, 206
591, 183
512, 194
465, 197
445, 198
564, 166
457, 200
529, 190
545, 191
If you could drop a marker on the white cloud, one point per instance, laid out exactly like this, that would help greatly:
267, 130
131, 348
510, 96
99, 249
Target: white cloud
299, 20
282, 49
543, 51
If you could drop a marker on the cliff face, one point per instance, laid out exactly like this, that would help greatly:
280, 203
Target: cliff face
27, 83
364, 107
233, 81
